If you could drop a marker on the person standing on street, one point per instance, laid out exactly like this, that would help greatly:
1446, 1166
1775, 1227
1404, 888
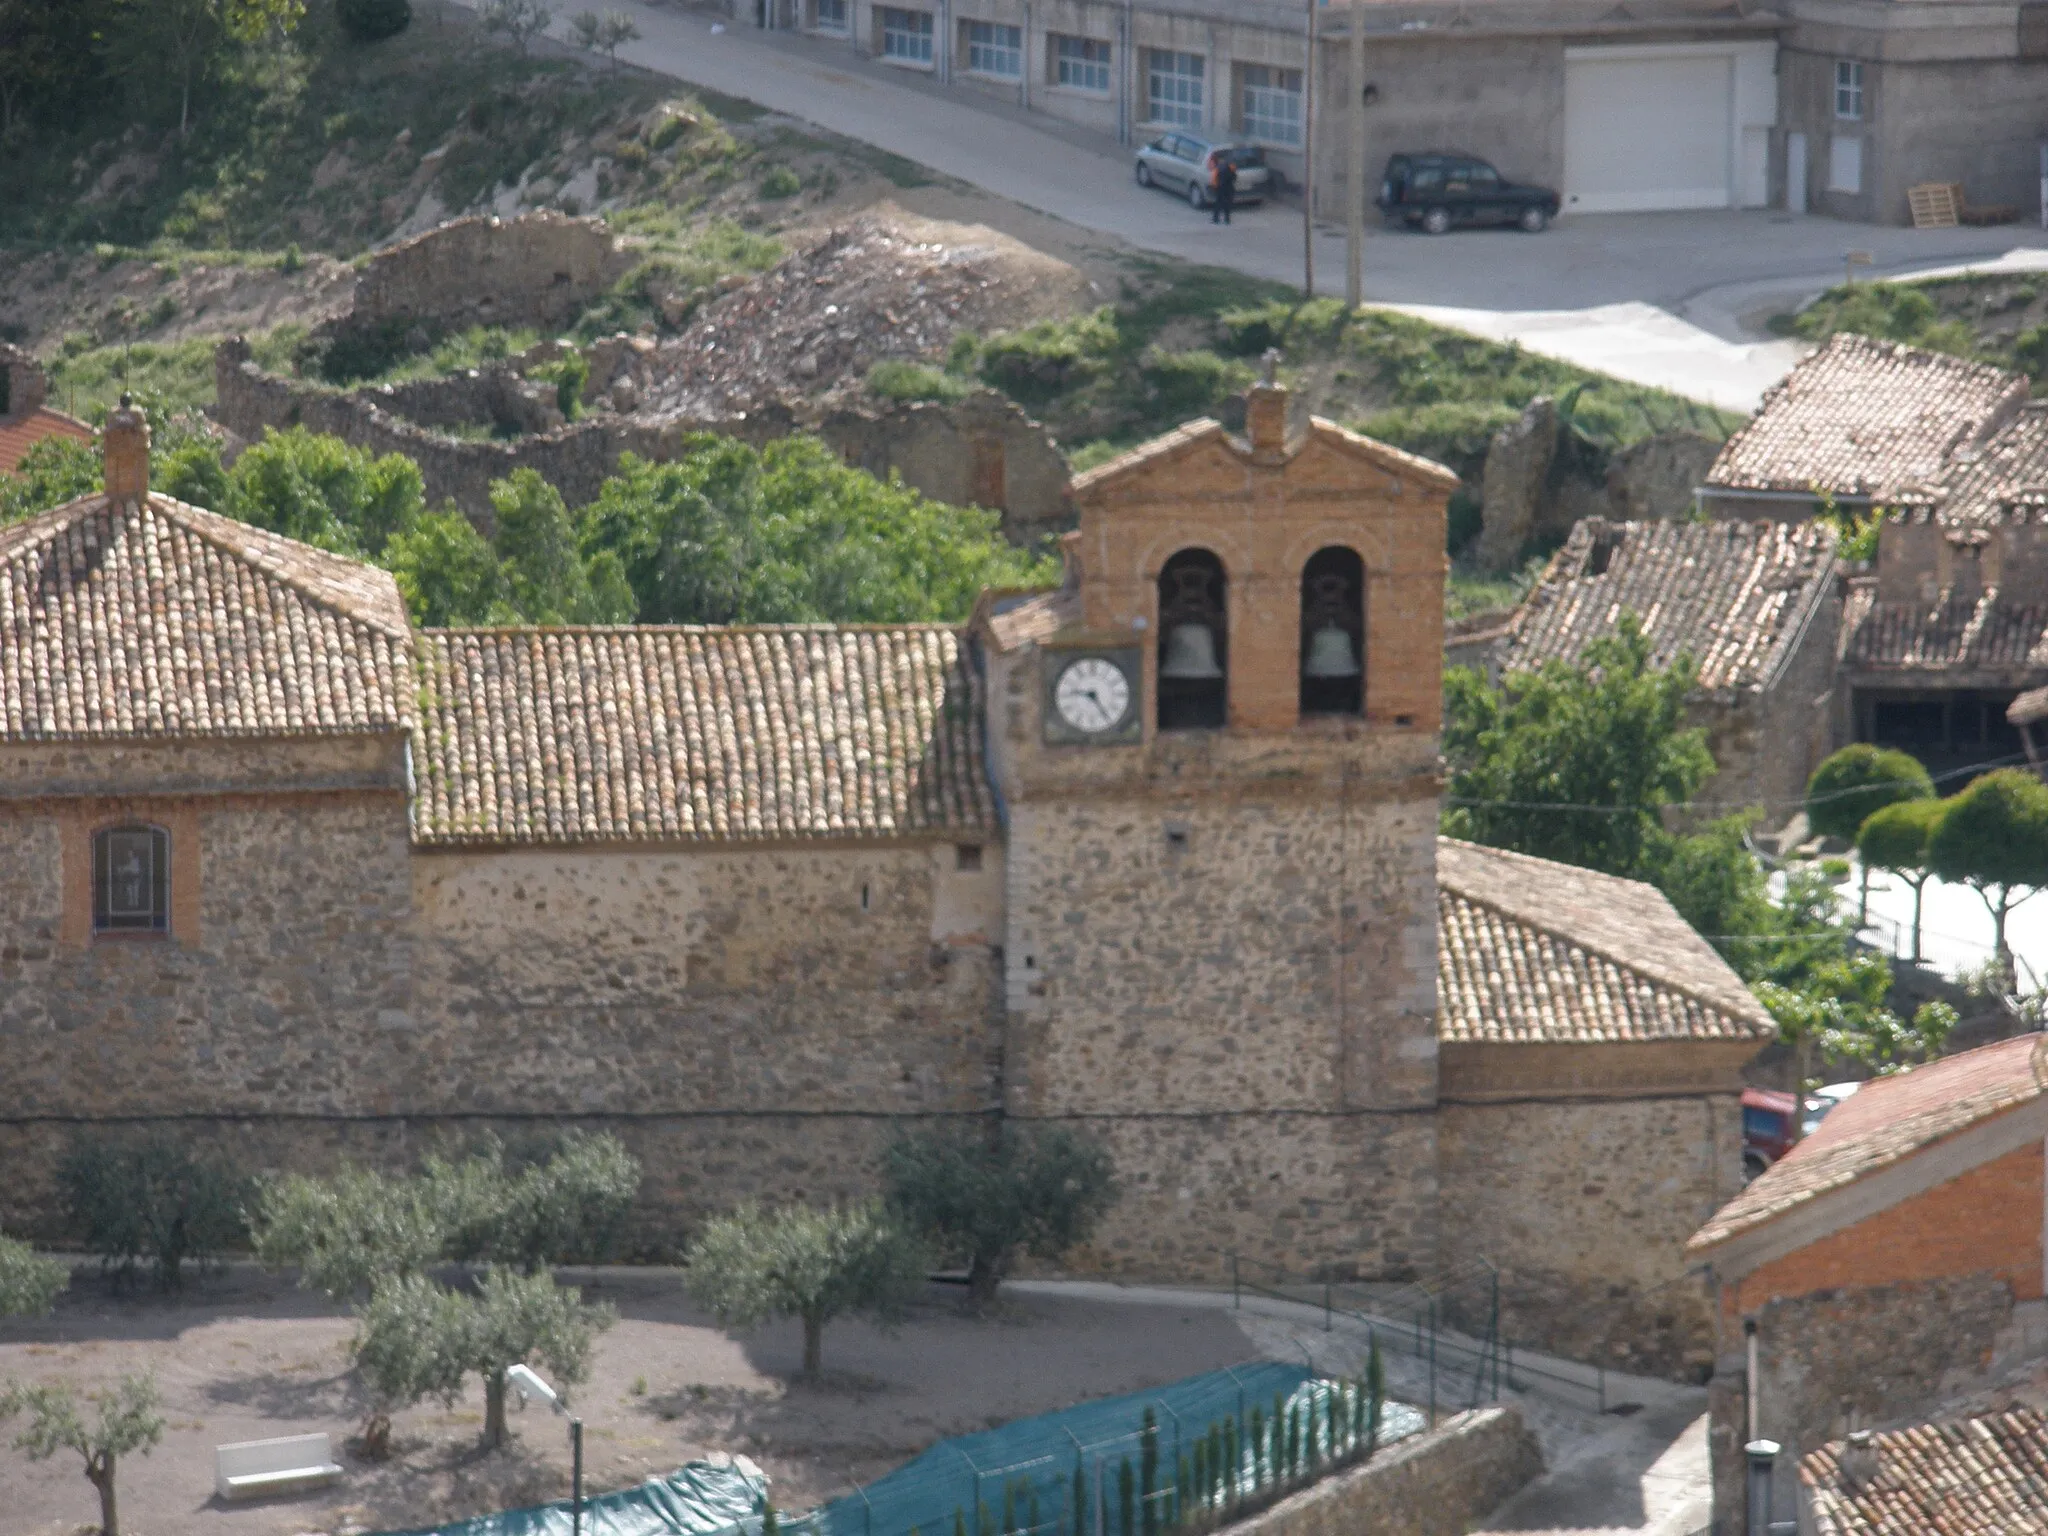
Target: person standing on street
1223, 179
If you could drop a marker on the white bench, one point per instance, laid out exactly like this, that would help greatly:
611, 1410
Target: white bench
290, 1464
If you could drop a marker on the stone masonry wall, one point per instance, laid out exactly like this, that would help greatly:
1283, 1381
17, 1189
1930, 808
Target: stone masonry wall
1436, 1484
1586, 1205
539, 269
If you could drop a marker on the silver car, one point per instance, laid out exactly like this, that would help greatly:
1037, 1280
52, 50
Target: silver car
1180, 163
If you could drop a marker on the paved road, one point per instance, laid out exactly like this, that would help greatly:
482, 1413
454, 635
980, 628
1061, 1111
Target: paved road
1658, 298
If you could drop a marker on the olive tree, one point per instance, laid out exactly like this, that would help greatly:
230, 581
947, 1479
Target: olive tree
1853, 784
29, 1283
129, 1420
417, 1340
1895, 838
348, 1231
1993, 837
815, 1265
605, 34
984, 1197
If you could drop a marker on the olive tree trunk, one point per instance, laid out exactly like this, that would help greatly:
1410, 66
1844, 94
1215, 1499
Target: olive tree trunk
494, 1410
100, 1469
814, 1343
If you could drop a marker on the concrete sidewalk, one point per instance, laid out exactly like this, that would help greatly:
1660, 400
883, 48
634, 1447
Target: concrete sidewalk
1670, 300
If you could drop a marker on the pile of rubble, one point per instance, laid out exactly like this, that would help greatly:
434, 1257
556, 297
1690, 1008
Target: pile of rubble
814, 325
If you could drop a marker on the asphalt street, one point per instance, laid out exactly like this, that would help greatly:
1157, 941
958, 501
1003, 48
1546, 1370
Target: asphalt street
1675, 300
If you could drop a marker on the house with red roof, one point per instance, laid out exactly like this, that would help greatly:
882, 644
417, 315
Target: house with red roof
24, 419
1893, 1259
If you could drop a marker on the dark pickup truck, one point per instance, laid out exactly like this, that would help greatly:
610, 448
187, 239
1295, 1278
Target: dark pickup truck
1435, 191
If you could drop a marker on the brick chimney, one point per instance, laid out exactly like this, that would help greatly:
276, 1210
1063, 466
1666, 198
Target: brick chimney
125, 440
1265, 412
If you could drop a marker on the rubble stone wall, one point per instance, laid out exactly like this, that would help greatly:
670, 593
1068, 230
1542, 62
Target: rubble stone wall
539, 269
27, 387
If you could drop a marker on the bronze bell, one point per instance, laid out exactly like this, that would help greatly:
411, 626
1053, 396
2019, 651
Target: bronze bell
1190, 653
1330, 654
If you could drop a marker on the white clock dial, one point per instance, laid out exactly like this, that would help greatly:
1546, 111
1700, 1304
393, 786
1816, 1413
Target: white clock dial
1092, 694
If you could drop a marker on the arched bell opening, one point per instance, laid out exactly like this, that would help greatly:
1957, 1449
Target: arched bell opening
1333, 633
1194, 648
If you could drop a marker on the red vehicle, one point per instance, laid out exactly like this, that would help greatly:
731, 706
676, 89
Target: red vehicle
1770, 1127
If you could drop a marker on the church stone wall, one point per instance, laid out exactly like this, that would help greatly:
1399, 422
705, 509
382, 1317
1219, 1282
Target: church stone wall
1585, 1205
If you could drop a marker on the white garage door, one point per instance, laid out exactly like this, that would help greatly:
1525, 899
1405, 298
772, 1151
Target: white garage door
1647, 133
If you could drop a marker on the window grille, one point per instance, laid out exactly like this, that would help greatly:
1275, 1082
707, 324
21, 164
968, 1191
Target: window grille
1173, 87
994, 49
1272, 104
1083, 63
907, 35
131, 880
1849, 90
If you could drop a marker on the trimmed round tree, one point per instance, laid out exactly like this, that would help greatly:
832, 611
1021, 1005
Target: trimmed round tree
1993, 837
1855, 782
1894, 839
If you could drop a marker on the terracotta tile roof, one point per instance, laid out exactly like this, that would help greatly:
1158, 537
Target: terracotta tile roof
1890, 1119
694, 734
1983, 630
167, 620
1533, 951
1735, 596
1982, 483
2028, 707
1968, 1477
18, 434
1015, 619
1867, 418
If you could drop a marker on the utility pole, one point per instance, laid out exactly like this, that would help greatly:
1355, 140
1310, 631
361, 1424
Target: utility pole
1308, 162
1354, 229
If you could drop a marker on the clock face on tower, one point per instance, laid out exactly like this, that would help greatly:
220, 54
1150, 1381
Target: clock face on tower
1092, 696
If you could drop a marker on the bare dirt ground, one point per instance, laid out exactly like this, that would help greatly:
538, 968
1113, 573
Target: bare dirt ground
47, 295
249, 1356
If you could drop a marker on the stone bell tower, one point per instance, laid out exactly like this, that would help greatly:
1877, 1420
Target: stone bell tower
1217, 746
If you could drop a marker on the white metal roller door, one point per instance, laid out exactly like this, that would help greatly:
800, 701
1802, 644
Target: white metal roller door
1647, 133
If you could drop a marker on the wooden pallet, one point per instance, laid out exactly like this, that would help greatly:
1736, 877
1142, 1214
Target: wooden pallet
1936, 204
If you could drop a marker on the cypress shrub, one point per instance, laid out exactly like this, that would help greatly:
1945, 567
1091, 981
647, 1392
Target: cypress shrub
959, 1521
1309, 1436
1183, 1486
1258, 1449
1232, 1470
1280, 1472
1080, 1497
984, 1522
1031, 1510
1009, 1526
1125, 1486
769, 1525
1293, 1442
1375, 1393
1201, 1495
1358, 1413
1148, 1472
1216, 1461
1333, 1412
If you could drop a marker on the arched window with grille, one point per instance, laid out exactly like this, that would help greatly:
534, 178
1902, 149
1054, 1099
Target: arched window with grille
131, 880
1194, 642
1333, 633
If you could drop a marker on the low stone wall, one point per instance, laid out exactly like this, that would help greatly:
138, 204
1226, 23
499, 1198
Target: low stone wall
1436, 1484
540, 269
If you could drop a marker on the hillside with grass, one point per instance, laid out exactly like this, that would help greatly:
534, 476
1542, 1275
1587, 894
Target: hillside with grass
1997, 317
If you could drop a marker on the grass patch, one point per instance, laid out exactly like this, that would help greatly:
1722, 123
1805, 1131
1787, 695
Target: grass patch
1472, 591
896, 379
1999, 318
169, 378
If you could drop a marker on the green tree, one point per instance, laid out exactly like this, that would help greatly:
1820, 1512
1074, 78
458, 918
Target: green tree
188, 38
605, 34
151, 1199
730, 534
1838, 1015
348, 1231
519, 20
54, 471
986, 1196
319, 490
417, 1339
448, 572
567, 1205
546, 579
1573, 763
1854, 783
1895, 838
1993, 837
29, 1283
814, 1265
27, 55
129, 1420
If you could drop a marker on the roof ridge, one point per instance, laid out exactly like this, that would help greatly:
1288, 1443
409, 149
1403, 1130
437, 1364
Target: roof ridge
1600, 951
226, 533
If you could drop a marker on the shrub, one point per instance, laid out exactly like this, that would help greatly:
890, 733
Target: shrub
897, 379
815, 1265
151, 1200
1857, 781
780, 182
1046, 359
29, 1283
371, 21
568, 373
1191, 383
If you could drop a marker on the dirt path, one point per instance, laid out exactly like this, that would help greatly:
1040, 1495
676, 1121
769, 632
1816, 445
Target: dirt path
251, 1356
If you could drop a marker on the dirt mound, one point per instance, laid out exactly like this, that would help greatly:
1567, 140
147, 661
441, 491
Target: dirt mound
885, 285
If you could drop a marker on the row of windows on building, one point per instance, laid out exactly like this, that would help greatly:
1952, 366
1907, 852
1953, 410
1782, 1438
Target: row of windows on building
1268, 98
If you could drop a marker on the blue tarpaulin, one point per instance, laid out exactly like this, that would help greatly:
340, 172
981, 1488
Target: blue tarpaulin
697, 1500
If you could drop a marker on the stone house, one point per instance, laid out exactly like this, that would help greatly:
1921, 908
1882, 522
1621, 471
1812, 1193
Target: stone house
1153, 853
25, 416
1891, 1260
1757, 605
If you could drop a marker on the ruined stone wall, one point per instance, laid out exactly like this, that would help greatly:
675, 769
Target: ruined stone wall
23, 384
539, 269
1585, 1204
